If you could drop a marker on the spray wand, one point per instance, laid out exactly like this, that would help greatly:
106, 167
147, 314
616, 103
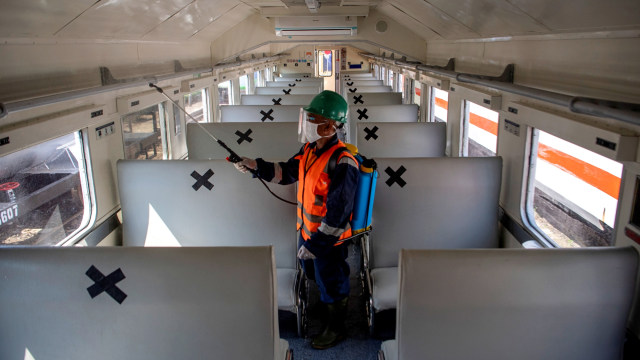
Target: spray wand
233, 156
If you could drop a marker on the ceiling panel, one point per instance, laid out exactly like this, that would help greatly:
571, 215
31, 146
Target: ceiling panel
32, 18
491, 17
194, 18
582, 14
122, 19
408, 21
434, 19
232, 18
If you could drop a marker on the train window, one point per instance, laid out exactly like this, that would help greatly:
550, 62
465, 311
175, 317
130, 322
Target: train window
480, 131
439, 105
244, 84
197, 105
400, 86
417, 92
325, 63
224, 93
44, 193
572, 195
390, 79
257, 79
144, 134
177, 120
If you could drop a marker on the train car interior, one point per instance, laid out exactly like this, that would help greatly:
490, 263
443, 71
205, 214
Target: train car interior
504, 203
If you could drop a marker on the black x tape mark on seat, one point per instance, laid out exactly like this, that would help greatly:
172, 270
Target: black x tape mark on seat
350, 83
371, 133
286, 92
353, 90
276, 102
298, 79
292, 85
266, 115
394, 176
202, 180
358, 99
244, 136
106, 284
362, 114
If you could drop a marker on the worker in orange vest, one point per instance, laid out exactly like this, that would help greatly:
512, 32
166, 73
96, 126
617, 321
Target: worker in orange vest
328, 178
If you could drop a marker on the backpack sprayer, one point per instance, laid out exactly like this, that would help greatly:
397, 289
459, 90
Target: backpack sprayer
233, 156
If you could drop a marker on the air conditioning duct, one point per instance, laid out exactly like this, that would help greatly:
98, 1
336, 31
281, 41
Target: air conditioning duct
316, 26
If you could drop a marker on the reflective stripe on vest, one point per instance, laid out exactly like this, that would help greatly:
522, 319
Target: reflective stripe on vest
313, 188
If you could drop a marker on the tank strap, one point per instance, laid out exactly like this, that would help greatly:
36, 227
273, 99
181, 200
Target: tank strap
333, 160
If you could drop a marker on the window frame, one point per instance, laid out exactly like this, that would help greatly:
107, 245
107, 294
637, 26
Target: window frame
576, 130
85, 175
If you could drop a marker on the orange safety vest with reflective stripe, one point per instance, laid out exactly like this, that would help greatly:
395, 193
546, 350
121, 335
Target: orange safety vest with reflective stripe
313, 188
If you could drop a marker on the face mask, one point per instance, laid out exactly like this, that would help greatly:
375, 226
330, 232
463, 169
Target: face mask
311, 131
308, 131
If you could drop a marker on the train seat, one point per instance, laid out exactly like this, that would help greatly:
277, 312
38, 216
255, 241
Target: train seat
267, 113
286, 90
513, 304
250, 139
379, 113
386, 139
361, 82
209, 203
358, 75
139, 303
294, 83
375, 98
299, 100
300, 78
428, 203
348, 90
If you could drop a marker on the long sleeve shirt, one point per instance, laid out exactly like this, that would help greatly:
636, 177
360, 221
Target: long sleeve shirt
340, 198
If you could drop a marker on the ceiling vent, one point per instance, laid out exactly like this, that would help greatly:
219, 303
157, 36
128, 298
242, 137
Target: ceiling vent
316, 26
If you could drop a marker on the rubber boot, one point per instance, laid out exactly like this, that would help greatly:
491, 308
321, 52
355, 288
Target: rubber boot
334, 330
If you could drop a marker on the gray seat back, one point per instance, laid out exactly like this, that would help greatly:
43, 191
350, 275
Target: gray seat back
380, 113
515, 303
383, 113
286, 90
375, 98
348, 90
179, 303
386, 139
276, 99
297, 78
204, 203
294, 83
277, 141
357, 75
260, 113
434, 203
358, 82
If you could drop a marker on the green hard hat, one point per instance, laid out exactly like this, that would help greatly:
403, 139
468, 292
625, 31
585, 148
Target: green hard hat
329, 104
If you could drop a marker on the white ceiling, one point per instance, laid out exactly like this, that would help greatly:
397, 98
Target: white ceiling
205, 20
